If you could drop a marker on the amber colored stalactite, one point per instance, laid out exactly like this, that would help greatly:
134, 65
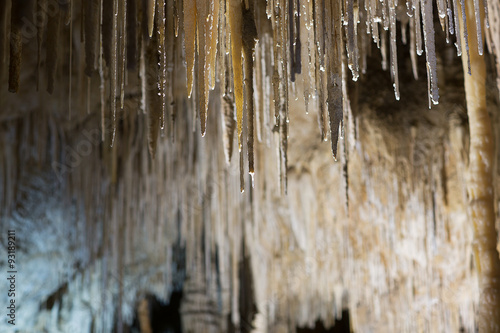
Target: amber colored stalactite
480, 183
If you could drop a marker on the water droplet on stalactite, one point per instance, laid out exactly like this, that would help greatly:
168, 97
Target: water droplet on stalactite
235, 25
441, 7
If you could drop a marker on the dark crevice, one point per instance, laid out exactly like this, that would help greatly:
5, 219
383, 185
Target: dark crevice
163, 317
341, 325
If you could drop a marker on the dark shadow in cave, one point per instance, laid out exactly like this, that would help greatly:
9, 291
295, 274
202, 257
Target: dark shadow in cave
164, 318
342, 325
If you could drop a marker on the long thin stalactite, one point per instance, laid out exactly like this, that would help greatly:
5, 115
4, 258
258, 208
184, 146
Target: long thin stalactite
480, 184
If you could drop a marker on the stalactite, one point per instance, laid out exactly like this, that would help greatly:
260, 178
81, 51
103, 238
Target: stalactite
91, 35
162, 55
202, 16
19, 10
150, 15
235, 25
189, 8
131, 28
114, 69
70, 60
394, 56
480, 179
4, 40
283, 116
123, 49
153, 97
249, 38
334, 72
42, 17
430, 50
228, 116
107, 29
53, 48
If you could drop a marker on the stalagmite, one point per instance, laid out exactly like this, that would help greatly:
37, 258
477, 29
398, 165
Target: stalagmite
480, 184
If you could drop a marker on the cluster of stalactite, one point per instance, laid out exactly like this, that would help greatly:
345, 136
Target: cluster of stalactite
185, 63
252, 49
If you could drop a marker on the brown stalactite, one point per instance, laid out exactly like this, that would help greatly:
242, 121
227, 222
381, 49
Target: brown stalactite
480, 181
